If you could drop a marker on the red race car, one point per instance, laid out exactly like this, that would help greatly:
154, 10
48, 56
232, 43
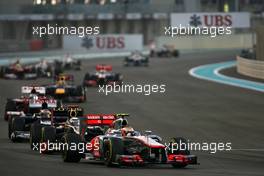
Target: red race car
18, 71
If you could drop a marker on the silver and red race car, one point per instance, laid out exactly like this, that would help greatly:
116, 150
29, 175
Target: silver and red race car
120, 144
102, 76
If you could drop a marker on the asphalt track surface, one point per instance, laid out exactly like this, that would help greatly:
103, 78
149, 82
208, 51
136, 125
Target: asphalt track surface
199, 110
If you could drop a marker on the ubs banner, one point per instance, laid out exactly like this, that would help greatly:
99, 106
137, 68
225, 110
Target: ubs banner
104, 43
234, 20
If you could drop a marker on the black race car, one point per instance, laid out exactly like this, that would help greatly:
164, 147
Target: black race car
102, 76
52, 128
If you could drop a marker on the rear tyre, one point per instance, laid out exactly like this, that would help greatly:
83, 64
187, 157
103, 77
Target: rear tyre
18, 124
35, 135
72, 156
10, 129
48, 135
10, 106
80, 91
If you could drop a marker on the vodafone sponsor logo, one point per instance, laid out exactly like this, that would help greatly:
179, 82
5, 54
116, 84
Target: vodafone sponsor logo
235, 20
109, 42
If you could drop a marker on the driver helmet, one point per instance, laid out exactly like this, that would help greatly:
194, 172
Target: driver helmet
127, 130
45, 113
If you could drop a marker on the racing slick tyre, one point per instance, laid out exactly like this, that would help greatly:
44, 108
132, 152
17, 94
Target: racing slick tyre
146, 62
10, 106
175, 53
80, 91
118, 77
86, 78
69, 155
2, 72
18, 124
182, 149
35, 135
126, 62
10, 129
48, 135
111, 148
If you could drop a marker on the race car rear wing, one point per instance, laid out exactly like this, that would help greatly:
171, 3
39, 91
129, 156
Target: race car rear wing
99, 119
29, 89
101, 67
69, 111
52, 103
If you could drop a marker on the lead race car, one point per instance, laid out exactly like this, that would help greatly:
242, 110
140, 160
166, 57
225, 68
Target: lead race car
102, 76
120, 144
64, 89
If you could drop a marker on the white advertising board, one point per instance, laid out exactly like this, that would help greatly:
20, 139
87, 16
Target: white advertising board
109, 42
235, 20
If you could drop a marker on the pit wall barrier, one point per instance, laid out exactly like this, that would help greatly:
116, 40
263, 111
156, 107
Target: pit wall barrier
252, 68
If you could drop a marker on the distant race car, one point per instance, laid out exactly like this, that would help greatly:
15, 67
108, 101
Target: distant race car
121, 144
18, 71
102, 76
165, 51
136, 59
47, 68
64, 89
51, 128
19, 124
70, 63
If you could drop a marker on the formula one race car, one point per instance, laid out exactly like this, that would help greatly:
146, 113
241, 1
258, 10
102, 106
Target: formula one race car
19, 124
51, 128
16, 106
121, 146
46, 68
102, 76
136, 59
17, 71
65, 90
165, 51
69, 63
